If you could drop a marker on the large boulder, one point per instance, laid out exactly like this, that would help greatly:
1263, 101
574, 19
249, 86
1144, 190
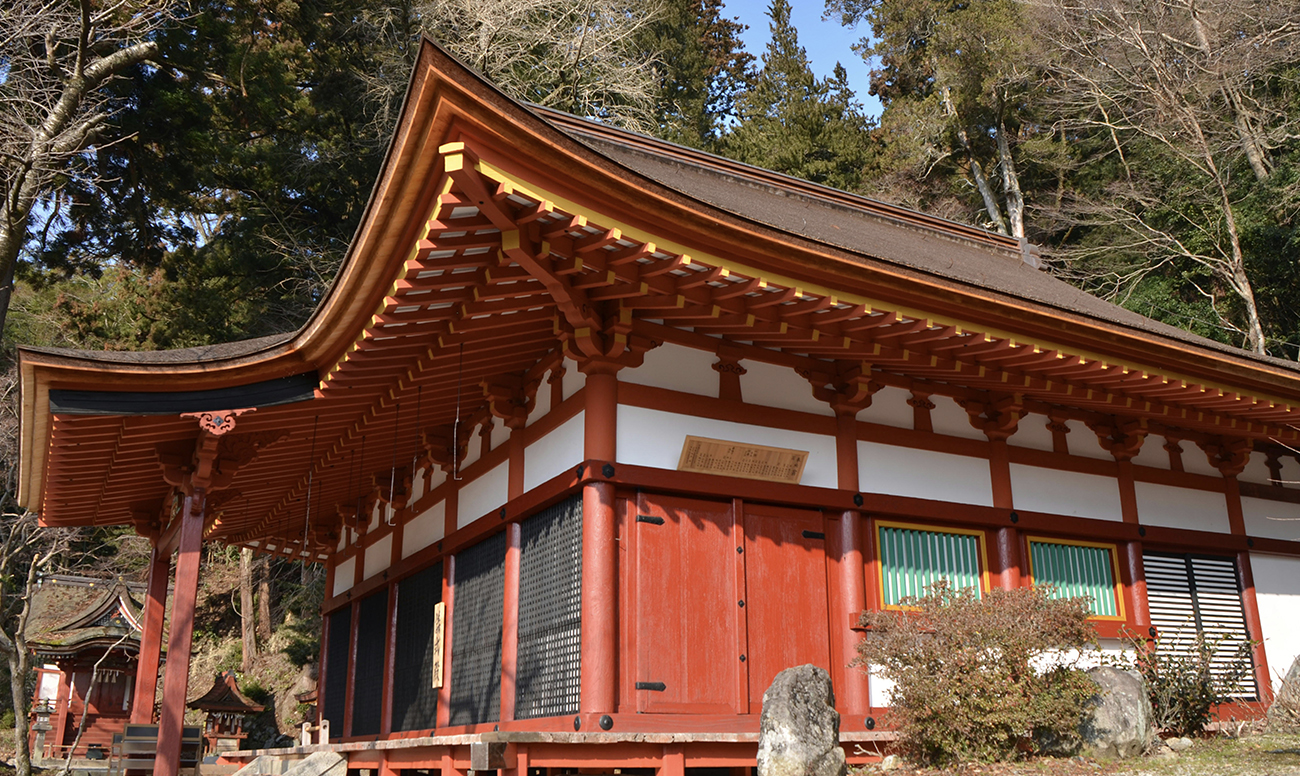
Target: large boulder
1284, 714
799, 731
1120, 722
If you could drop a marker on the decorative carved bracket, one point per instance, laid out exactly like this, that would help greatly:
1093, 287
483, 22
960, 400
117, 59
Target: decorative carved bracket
1229, 456
998, 419
729, 372
511, 398
1122, 439
848, 390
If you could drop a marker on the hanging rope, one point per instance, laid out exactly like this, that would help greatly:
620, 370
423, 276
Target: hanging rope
415, 456
392, 472
455, 428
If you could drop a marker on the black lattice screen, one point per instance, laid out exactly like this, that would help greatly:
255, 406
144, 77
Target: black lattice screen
476, 632
368, 684
415, 700
336, 668
550, 602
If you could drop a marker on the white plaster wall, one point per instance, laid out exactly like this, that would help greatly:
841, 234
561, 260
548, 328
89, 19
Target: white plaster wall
1277, 590
889, 407
779, 386
436, 477
345, 538
1065, 493
1083, 442
343, 574
500, 433
1271, 519
949, 418
677, 368
878, 688
417, 485
1199, 510
573, 380
49, 684
378, 556
542, 402
483, 494
1256, 470
1153, 454
557, 451
375, 513
1032, 432
655, 438
904, 471
424, 529
473, 450
1107, 651
1197, 462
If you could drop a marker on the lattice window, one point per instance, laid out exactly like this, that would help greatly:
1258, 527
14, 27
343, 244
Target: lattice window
1079, 569
368, 684
913, 558
476, 632
415, 699
336, 667
550, 603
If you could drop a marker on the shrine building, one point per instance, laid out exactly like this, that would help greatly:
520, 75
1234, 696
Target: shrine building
595, 434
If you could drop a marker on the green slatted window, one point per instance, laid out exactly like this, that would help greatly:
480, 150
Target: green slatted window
1078, 569
912, 558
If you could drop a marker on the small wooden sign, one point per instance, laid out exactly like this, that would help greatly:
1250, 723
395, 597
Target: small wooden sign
736, 459
439, 627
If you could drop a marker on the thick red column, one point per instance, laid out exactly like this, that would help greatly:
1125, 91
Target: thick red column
1250, 608
155, 605
599, 551
1007, 541
510, 623
1137, 590
852, 583
167, 761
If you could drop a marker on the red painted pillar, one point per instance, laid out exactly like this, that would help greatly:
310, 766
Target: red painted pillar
1250, 607
1137, 590
146, 676
853, 592
1007, 541
167, 761
510, 623
599, 551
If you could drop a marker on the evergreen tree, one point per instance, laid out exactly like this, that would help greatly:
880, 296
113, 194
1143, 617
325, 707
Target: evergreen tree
701, 67
795, 123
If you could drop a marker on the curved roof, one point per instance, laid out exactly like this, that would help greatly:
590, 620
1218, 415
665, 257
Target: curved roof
498, 236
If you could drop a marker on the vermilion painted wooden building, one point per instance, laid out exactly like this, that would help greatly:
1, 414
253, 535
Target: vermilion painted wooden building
595, 434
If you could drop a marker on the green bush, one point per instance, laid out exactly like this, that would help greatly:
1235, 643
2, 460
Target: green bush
981, 679
1179, 675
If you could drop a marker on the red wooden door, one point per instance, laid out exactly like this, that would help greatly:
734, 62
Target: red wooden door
686, 606
785, 594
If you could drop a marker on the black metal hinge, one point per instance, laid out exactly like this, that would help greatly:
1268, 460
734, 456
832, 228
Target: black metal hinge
814, 535
651, 519
655, 686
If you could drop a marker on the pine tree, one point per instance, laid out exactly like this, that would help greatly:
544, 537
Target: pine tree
795, 123
701, 67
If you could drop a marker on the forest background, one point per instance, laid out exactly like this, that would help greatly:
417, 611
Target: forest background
179, 173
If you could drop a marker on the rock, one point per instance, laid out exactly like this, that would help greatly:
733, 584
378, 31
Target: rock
799, 730
1179, 744
1284, 713
891, 763
1120, 722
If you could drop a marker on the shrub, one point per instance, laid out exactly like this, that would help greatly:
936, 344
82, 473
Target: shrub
1184, 681
981, 678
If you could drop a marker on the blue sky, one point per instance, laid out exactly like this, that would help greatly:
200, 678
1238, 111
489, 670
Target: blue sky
825, 41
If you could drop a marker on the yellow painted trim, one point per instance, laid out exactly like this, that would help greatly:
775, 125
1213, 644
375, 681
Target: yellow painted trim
670, 246
980, 535
1117, 581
